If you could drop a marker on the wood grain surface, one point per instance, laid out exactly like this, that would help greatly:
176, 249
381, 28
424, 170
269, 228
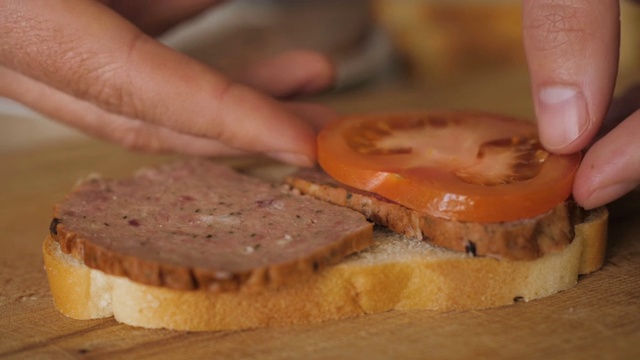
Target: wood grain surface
598, 319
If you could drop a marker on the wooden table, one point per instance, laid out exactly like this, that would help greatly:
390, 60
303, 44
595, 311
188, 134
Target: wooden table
600, 318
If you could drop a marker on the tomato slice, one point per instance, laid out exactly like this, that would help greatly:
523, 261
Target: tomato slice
456, 165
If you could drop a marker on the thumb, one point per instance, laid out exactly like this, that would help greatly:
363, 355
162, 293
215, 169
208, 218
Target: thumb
572, 52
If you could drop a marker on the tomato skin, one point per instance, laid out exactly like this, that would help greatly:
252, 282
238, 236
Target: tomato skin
416, 181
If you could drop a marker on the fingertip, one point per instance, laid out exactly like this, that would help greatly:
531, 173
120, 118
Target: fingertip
292, 158
610, 168
606, 194
319, 70
316, 115
296, 72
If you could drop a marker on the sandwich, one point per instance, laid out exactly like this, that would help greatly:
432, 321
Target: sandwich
443, 211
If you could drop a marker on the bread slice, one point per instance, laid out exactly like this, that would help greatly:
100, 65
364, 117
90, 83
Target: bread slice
395, 273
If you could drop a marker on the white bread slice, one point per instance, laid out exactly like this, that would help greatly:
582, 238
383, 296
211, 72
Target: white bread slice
396, 273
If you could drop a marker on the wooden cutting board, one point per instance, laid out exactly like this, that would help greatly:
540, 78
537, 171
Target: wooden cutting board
600, 318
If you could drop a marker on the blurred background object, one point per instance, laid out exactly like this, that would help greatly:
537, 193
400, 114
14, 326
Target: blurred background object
441, 39
240, 33
451, 39
629, 42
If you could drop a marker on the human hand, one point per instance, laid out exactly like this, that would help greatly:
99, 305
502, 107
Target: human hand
85, 64
572, 51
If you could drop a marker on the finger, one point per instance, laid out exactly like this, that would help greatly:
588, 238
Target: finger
133, 134
611, 167
83, 49
291, 73
572, 52
130, 133
161, 15
620, 108
315, 114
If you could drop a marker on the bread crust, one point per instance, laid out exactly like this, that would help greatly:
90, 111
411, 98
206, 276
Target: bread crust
396, 273
525, 239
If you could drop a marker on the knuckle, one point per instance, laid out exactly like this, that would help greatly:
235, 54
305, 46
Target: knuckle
105, 86
139, 137
103, 78
109, 82
218, 128
49, 52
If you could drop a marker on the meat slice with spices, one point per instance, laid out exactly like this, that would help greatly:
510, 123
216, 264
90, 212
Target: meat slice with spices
196, 224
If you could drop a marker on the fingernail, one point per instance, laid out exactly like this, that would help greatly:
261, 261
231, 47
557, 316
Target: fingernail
609, 193
291, 158
562, 115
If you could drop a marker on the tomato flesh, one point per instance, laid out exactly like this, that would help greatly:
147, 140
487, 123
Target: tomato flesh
454, 165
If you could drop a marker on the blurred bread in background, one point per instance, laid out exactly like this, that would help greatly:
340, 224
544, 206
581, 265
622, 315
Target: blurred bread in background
629, 69
439, 39
446, 39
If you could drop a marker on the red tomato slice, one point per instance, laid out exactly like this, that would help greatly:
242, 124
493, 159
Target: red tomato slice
455, 165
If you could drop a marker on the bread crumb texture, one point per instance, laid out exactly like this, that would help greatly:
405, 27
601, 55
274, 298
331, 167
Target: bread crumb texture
396, 273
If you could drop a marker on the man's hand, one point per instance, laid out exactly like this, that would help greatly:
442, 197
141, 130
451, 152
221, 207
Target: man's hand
86, 64
572, 49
